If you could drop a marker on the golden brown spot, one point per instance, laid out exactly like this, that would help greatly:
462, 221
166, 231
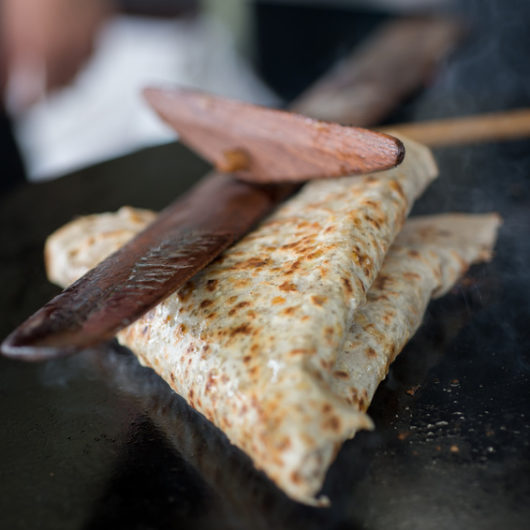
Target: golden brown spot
306, 250
289, 310
340, 374
211, 315
413, 253
332, 423
307, 439
288, 286
247, 359
387, 318
205, 303
211, 285
183, 328
242, 282
210, 384
373, 221
253, 370
319, 300
299, 351
361, 258
396, 186
185, 292
284, 444
232, 299
295, 477
278, 300
329, 229
254, 348
347, 285
293, 267
253, 263
326, 365
318, 375
370, 353
237, 307
326, 408
411, 276
244, 329
353, 395
318, 253
381, 281
290, 245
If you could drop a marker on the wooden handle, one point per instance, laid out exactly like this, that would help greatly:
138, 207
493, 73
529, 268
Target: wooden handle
398, 59
507, 125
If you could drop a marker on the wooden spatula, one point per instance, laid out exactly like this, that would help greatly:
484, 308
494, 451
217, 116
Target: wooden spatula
263, 145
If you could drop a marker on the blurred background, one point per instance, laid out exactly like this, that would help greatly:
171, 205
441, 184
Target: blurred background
72, 70
95, 441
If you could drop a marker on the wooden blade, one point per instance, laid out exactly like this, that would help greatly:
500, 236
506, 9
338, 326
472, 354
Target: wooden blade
259, 144
183, 239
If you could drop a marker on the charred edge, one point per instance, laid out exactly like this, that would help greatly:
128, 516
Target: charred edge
400, 155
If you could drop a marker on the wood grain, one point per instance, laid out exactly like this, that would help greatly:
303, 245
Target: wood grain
264, 145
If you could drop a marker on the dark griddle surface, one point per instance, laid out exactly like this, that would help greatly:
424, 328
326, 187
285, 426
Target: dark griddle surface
96, 441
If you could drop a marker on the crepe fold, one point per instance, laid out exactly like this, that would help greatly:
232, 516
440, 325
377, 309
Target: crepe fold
261, 342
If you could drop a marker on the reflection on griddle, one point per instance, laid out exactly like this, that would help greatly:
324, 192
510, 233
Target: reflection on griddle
178, 467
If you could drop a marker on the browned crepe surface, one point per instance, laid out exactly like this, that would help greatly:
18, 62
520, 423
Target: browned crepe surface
428, 256
259, 342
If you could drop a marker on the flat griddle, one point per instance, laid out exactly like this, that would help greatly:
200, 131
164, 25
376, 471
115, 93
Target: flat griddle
96, 441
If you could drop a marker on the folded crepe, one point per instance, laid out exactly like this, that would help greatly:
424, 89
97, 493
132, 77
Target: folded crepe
206, 449
261, 341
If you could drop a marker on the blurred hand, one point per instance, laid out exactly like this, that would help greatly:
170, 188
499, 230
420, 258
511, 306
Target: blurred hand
43, 44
